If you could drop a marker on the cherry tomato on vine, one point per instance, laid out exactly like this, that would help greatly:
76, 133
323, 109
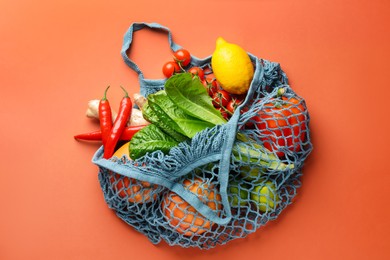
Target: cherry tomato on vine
196, 71
233, 104
221, 98
182, 56
170, 68
211, 85
224, 113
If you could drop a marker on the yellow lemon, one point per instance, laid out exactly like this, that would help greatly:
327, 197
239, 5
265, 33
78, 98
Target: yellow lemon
232, 67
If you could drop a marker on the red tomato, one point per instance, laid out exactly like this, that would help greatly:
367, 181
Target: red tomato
224, 113
211, 85
170, 68
297, 120
239, 98
182, 56
221, 98
196, 71
281, 125
233, 104
272, 122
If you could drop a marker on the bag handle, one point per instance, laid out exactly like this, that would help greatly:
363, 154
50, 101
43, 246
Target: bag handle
128, 39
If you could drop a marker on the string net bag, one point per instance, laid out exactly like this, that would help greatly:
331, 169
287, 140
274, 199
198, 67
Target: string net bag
224, 183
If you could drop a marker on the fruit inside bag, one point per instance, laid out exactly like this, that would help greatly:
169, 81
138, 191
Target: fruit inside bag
215, 179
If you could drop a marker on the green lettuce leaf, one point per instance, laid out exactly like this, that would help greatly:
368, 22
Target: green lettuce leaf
189, 94
175, 117
149, 139
162, 121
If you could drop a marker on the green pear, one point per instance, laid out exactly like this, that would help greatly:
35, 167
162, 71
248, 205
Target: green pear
265, 196
238, 194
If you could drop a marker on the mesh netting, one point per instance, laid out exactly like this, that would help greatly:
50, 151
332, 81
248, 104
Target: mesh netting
224, 183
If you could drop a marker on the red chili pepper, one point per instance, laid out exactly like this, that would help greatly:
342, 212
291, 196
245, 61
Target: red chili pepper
105, 117
118, 126
127, 134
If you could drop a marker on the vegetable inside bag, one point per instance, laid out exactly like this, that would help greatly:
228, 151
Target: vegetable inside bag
217, 184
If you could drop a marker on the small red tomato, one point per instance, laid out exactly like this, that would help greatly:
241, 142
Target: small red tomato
233, 104
221, 98
196, 71
182, 56
224, 113
211, 84
170, 68
239, 98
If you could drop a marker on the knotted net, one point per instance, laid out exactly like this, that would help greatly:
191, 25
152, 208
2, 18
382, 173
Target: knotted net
224, 183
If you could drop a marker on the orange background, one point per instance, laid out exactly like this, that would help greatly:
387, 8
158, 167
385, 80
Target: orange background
57, 55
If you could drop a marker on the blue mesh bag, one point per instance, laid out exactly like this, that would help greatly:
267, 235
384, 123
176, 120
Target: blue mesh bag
225, 182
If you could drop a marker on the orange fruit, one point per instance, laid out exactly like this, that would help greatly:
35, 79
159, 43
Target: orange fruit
134, 190
182, 216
